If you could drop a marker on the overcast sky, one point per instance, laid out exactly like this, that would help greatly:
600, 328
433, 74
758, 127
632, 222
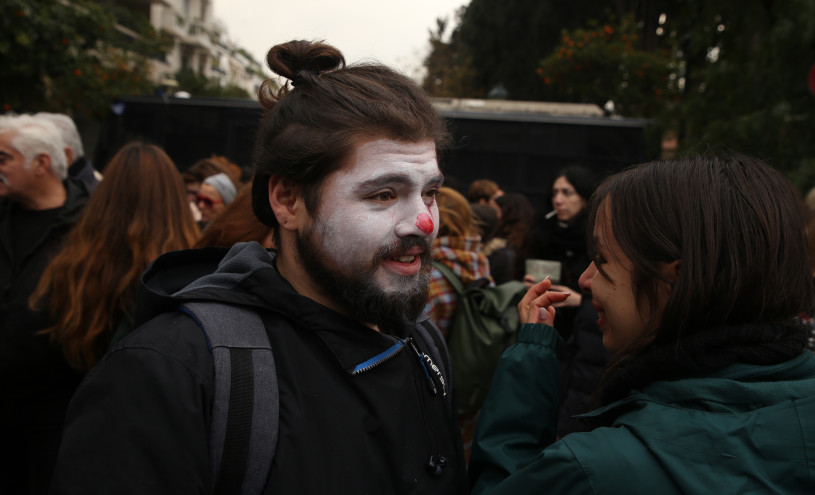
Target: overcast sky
394, 32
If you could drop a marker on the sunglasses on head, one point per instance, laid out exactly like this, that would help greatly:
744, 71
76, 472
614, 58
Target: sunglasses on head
208, 202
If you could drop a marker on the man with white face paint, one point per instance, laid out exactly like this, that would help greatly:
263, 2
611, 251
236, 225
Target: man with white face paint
38, 206
346, 176
369, 253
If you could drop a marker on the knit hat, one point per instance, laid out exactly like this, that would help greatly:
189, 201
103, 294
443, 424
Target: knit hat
223, 184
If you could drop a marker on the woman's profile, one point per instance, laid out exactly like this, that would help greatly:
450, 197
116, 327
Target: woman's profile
710, 391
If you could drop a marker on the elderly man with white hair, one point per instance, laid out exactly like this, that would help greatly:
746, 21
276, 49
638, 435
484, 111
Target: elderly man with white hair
78, 165
38, 206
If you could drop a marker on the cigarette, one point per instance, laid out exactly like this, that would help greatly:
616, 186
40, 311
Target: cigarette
550, 214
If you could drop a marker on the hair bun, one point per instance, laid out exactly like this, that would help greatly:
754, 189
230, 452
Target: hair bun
301, 60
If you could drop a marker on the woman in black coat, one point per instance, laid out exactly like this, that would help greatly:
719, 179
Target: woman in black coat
559, 234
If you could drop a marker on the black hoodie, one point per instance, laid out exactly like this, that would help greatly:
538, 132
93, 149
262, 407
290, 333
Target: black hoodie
140, 421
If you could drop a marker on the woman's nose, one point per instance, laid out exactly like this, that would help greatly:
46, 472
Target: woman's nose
585, 279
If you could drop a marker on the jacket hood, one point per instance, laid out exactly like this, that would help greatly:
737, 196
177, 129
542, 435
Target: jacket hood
243, 275
207, 274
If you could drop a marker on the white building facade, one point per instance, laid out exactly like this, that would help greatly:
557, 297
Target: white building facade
200, 44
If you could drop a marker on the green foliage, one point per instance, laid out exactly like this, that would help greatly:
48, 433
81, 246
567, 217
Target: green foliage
75, 65
504, 40
721, 75
599, 63
448, 72
746, 66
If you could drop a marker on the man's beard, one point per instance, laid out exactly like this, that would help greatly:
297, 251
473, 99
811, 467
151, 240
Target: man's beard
359, 293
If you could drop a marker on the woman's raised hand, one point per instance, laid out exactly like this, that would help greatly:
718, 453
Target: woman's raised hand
536, 306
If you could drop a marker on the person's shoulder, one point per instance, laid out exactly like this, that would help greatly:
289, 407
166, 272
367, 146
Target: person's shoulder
168, 336
596, 454
77, 195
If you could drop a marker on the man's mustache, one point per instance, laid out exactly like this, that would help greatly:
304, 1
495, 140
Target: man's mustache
403, 245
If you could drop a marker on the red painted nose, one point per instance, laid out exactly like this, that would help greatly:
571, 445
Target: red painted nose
424, 223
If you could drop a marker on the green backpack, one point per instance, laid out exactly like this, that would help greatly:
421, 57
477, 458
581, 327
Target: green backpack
484, 324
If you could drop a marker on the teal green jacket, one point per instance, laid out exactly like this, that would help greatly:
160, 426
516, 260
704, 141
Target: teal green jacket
745, 429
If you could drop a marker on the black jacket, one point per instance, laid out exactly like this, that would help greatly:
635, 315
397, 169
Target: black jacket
566, 243
140, 421
35, 381
83, 170
20, 272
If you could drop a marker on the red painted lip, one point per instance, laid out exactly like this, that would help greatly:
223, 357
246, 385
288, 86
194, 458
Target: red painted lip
404, 269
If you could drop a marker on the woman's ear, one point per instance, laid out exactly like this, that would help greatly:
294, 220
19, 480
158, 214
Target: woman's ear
671, 270
284, 200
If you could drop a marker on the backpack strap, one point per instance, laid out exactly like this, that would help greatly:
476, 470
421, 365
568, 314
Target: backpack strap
246, 405
450, 275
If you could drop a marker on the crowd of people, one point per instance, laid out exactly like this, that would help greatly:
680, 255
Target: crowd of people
662, 350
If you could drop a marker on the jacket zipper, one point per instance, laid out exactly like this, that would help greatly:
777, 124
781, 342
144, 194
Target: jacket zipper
379, 358
436, 462
435, 378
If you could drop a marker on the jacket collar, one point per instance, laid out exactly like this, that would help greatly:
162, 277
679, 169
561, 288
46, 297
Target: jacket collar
736, 388
76, 195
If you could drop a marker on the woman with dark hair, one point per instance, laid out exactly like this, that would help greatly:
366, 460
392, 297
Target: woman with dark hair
559, 234
89, 289
697, 289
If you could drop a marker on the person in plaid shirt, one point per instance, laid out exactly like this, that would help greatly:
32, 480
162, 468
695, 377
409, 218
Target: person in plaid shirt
458, 247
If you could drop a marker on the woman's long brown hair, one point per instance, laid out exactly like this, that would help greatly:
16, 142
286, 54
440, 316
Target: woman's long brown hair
138, 212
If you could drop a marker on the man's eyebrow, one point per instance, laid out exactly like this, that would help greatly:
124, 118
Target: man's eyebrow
394, 179
435, 181
3, 154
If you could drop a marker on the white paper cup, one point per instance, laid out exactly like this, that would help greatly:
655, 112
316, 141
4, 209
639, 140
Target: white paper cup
541, 268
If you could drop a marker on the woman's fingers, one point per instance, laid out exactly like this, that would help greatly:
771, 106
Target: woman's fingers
535, 307
572, 301
529, 280
534, 292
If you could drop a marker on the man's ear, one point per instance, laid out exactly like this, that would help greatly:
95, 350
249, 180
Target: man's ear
284, 200
41, 164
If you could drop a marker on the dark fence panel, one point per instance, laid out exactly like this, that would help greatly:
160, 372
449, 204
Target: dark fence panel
522, 151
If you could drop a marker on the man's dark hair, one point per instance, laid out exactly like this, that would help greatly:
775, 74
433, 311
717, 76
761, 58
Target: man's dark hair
310, 129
